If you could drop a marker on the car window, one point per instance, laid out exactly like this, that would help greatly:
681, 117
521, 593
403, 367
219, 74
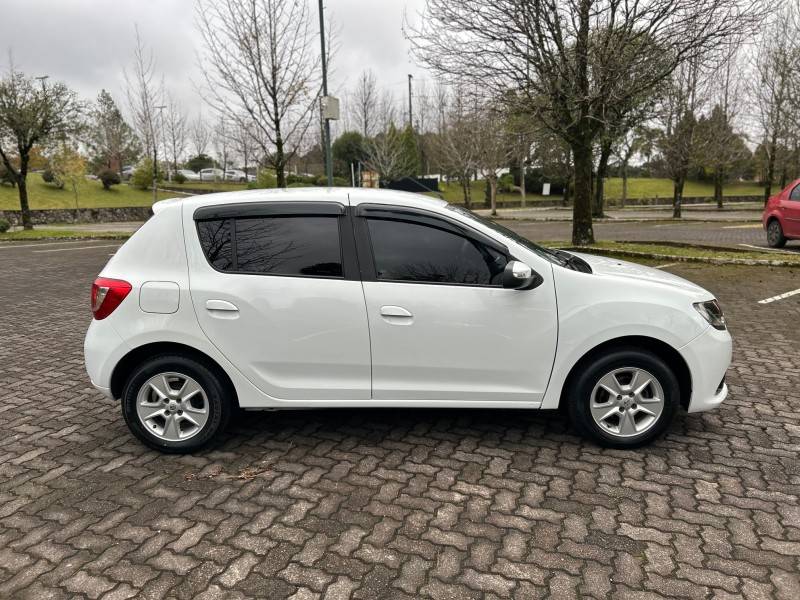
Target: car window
215, 238
795, 195
406, 251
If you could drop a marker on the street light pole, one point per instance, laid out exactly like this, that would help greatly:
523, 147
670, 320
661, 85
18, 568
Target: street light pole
160, 110
327, 122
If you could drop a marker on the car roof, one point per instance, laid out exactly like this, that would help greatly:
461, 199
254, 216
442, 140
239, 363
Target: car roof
308, 194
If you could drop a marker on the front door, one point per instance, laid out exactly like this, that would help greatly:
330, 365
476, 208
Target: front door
274, 291
791, 212
441, 325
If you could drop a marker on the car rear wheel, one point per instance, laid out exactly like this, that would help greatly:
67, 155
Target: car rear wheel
775, 237
175, 404
624, 399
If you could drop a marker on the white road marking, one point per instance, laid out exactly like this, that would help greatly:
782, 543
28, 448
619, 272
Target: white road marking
765, 249
666, 265
81, 248
779, 297
748, 226
15, 245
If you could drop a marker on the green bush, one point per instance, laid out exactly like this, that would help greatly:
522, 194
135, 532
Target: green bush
108, 178
179, 178
4, 225
49, 177
5, 177
299, 184
293, 178
505, 185
264, 180
322, 181
142, 177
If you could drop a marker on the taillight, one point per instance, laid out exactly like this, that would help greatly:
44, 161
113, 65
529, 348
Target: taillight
107, 294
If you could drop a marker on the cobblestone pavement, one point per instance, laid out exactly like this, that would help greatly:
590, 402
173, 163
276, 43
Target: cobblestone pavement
390, 504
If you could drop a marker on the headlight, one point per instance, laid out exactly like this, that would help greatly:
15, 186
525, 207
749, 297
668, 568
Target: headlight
712, 312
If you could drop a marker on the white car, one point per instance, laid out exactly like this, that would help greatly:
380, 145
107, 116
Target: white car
212, 174
311, 298
237, 175
189, 175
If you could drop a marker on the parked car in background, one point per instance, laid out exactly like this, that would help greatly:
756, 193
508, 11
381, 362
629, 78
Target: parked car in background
127, 172
237, 175
781, 216
189, 175
311, 298
212, 174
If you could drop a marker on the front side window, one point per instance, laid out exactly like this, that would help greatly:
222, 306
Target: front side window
276, 245
410, 251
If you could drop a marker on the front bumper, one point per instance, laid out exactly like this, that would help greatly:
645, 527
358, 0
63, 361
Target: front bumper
708, 357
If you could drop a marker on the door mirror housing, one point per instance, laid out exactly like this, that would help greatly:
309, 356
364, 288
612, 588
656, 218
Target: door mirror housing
519, 276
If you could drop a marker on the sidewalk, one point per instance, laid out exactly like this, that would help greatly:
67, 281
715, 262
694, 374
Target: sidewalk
696, 212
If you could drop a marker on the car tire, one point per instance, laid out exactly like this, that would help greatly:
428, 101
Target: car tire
775, 237
624, 419
175, 404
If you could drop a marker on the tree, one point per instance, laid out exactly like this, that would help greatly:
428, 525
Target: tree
200, 162
634, 141
365, 102
145, 97
455, 143
260, 60
31, 114
412, 162
175, 131
68, 168
110, 139
347, 150
201, 136
544, 49
495, 146
385, 154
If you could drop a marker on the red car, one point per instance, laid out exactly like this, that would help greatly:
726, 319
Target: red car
781, 216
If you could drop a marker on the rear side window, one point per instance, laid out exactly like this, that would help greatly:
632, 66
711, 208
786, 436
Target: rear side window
795, 194
306, 246
406, 251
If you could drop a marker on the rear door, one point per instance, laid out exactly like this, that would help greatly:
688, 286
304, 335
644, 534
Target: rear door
442, 326
276, 289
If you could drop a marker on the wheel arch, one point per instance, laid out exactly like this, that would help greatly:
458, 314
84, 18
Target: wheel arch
138, 355
661, 349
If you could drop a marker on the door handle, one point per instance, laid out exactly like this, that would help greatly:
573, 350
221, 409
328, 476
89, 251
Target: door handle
221, 305
395, 311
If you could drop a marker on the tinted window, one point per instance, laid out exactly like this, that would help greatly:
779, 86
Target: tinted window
215, 238
289, 246
795, 195
407, 251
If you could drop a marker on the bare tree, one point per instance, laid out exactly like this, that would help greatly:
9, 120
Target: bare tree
386, 155
455, 143
222, 143
260, 60
145, 95
242, 142
495, 145
31, 115
365, 103
175, 131
200, 134
544, 48
775, 65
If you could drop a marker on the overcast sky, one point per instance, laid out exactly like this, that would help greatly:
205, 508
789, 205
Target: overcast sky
88, 43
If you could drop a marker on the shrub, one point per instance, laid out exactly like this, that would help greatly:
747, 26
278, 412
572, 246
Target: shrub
49, 177
5, 177
264, 180
108, 178
179, 178
505, 184
4, 225
299, 184
293, 178
142, 177
341, 182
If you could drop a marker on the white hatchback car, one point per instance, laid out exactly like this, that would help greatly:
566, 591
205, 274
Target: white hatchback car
346, 298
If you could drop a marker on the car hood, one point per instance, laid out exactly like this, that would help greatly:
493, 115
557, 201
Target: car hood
612, 267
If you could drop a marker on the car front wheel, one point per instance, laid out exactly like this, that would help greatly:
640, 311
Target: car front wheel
175, 404
775, 237
624, 399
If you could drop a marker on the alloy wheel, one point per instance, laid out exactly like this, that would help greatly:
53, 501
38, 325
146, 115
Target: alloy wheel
626, 402
172, 406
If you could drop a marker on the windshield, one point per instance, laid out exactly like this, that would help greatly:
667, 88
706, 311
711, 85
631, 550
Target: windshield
546, 253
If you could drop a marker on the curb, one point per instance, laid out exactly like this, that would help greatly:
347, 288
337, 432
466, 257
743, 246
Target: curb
750, 262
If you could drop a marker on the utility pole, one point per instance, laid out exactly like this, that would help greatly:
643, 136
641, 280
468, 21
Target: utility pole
160, 110
410, 110
327, 122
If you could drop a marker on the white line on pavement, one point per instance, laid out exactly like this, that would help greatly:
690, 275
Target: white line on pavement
779, 297
81, 248
748, 226
764, 248
666, 265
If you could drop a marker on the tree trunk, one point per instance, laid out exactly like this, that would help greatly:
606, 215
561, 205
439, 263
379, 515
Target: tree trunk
522, 182
280, 164
719, 177
22, 187
493, 195
677, 197
770, 170
602, 171
467, 191
624, 198
582, 233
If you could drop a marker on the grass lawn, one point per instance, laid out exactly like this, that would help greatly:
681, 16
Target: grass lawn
90, 195
51, 234
689, 251
218, 186
662, 188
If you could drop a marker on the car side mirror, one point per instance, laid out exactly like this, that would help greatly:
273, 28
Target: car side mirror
519, 276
